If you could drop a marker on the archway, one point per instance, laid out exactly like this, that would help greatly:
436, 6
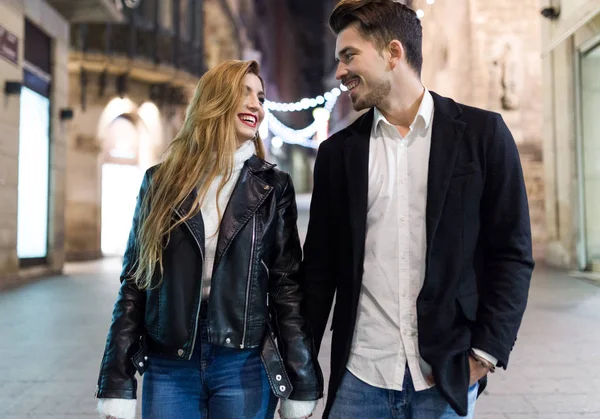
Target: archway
121, 178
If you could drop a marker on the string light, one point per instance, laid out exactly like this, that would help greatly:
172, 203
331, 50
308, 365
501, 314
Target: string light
306, 103
302, 136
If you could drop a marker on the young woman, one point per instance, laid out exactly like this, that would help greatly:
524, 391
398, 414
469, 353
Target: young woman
209, 280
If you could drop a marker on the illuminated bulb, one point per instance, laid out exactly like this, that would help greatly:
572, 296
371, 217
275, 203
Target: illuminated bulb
277, 142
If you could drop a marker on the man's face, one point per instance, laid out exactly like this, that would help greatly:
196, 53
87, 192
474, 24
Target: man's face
362, 68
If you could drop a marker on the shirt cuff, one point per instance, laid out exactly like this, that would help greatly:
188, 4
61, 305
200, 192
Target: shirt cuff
291, 409
486, 356
117, 408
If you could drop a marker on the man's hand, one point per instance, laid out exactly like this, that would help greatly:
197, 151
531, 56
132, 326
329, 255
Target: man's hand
303, 417
477, 370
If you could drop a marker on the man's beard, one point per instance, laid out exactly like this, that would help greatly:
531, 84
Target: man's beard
374, 97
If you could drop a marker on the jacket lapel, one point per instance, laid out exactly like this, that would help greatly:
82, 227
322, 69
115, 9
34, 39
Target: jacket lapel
356, 159
249, 193
195, 223
447, 133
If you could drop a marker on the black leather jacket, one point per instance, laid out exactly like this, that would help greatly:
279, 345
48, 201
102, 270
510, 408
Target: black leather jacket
255, 299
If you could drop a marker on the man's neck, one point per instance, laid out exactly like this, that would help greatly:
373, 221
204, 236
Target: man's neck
402, 106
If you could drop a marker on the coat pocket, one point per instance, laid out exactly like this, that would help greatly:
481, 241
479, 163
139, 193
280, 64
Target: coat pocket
469, 304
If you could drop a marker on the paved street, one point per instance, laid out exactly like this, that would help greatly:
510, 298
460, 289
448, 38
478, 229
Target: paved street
52, 335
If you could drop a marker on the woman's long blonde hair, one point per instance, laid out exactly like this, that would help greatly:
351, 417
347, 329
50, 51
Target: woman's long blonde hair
203, 149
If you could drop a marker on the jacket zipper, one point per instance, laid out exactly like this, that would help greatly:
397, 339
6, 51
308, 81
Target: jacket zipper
201, 279
249, 279
265, 266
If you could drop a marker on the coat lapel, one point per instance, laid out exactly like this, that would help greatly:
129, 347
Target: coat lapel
249, 193
447, 133
356, 159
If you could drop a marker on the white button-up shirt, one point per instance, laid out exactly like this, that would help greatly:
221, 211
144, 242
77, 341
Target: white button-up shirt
386, 337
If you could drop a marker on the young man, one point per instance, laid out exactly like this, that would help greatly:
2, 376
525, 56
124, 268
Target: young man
419, 222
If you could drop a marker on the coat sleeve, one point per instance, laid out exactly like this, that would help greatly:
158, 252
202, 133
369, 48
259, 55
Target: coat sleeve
317, 266
294, 336
117, 371
507, 250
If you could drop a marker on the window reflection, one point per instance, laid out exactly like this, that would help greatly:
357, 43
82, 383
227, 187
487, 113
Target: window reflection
185, 19
166, 14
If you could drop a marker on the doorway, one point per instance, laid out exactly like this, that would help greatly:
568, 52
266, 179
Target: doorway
121, 179
589, 155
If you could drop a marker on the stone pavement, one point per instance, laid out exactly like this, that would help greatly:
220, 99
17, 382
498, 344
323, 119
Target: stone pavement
52, 335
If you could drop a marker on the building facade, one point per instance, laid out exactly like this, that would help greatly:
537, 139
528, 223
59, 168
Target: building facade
130, 85
93, 91
571, 80
34, 126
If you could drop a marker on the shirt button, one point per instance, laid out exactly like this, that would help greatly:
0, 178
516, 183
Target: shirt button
228, 340
282, 388
278, 378
141, 364
402, 181
180, 352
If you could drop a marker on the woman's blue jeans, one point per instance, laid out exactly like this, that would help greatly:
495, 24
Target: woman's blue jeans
218, 382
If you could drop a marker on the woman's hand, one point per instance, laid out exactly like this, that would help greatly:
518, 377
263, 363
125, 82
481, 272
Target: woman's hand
299, 417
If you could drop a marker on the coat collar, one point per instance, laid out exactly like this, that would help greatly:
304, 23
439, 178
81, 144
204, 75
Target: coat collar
251, 189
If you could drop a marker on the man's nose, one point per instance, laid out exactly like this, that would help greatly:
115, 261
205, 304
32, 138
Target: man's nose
341, 71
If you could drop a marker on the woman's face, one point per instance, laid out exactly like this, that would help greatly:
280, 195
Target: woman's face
251, 112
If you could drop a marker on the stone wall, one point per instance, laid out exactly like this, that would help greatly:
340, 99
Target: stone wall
486, 53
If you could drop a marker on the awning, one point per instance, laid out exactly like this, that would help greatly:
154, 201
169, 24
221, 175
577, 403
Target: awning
82, 11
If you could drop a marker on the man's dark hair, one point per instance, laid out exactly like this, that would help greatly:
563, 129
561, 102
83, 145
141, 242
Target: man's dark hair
382, 21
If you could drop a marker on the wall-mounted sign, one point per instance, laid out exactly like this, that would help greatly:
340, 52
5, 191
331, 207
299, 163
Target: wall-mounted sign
9, 46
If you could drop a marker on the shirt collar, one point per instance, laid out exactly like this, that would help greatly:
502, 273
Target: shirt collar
424, 114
